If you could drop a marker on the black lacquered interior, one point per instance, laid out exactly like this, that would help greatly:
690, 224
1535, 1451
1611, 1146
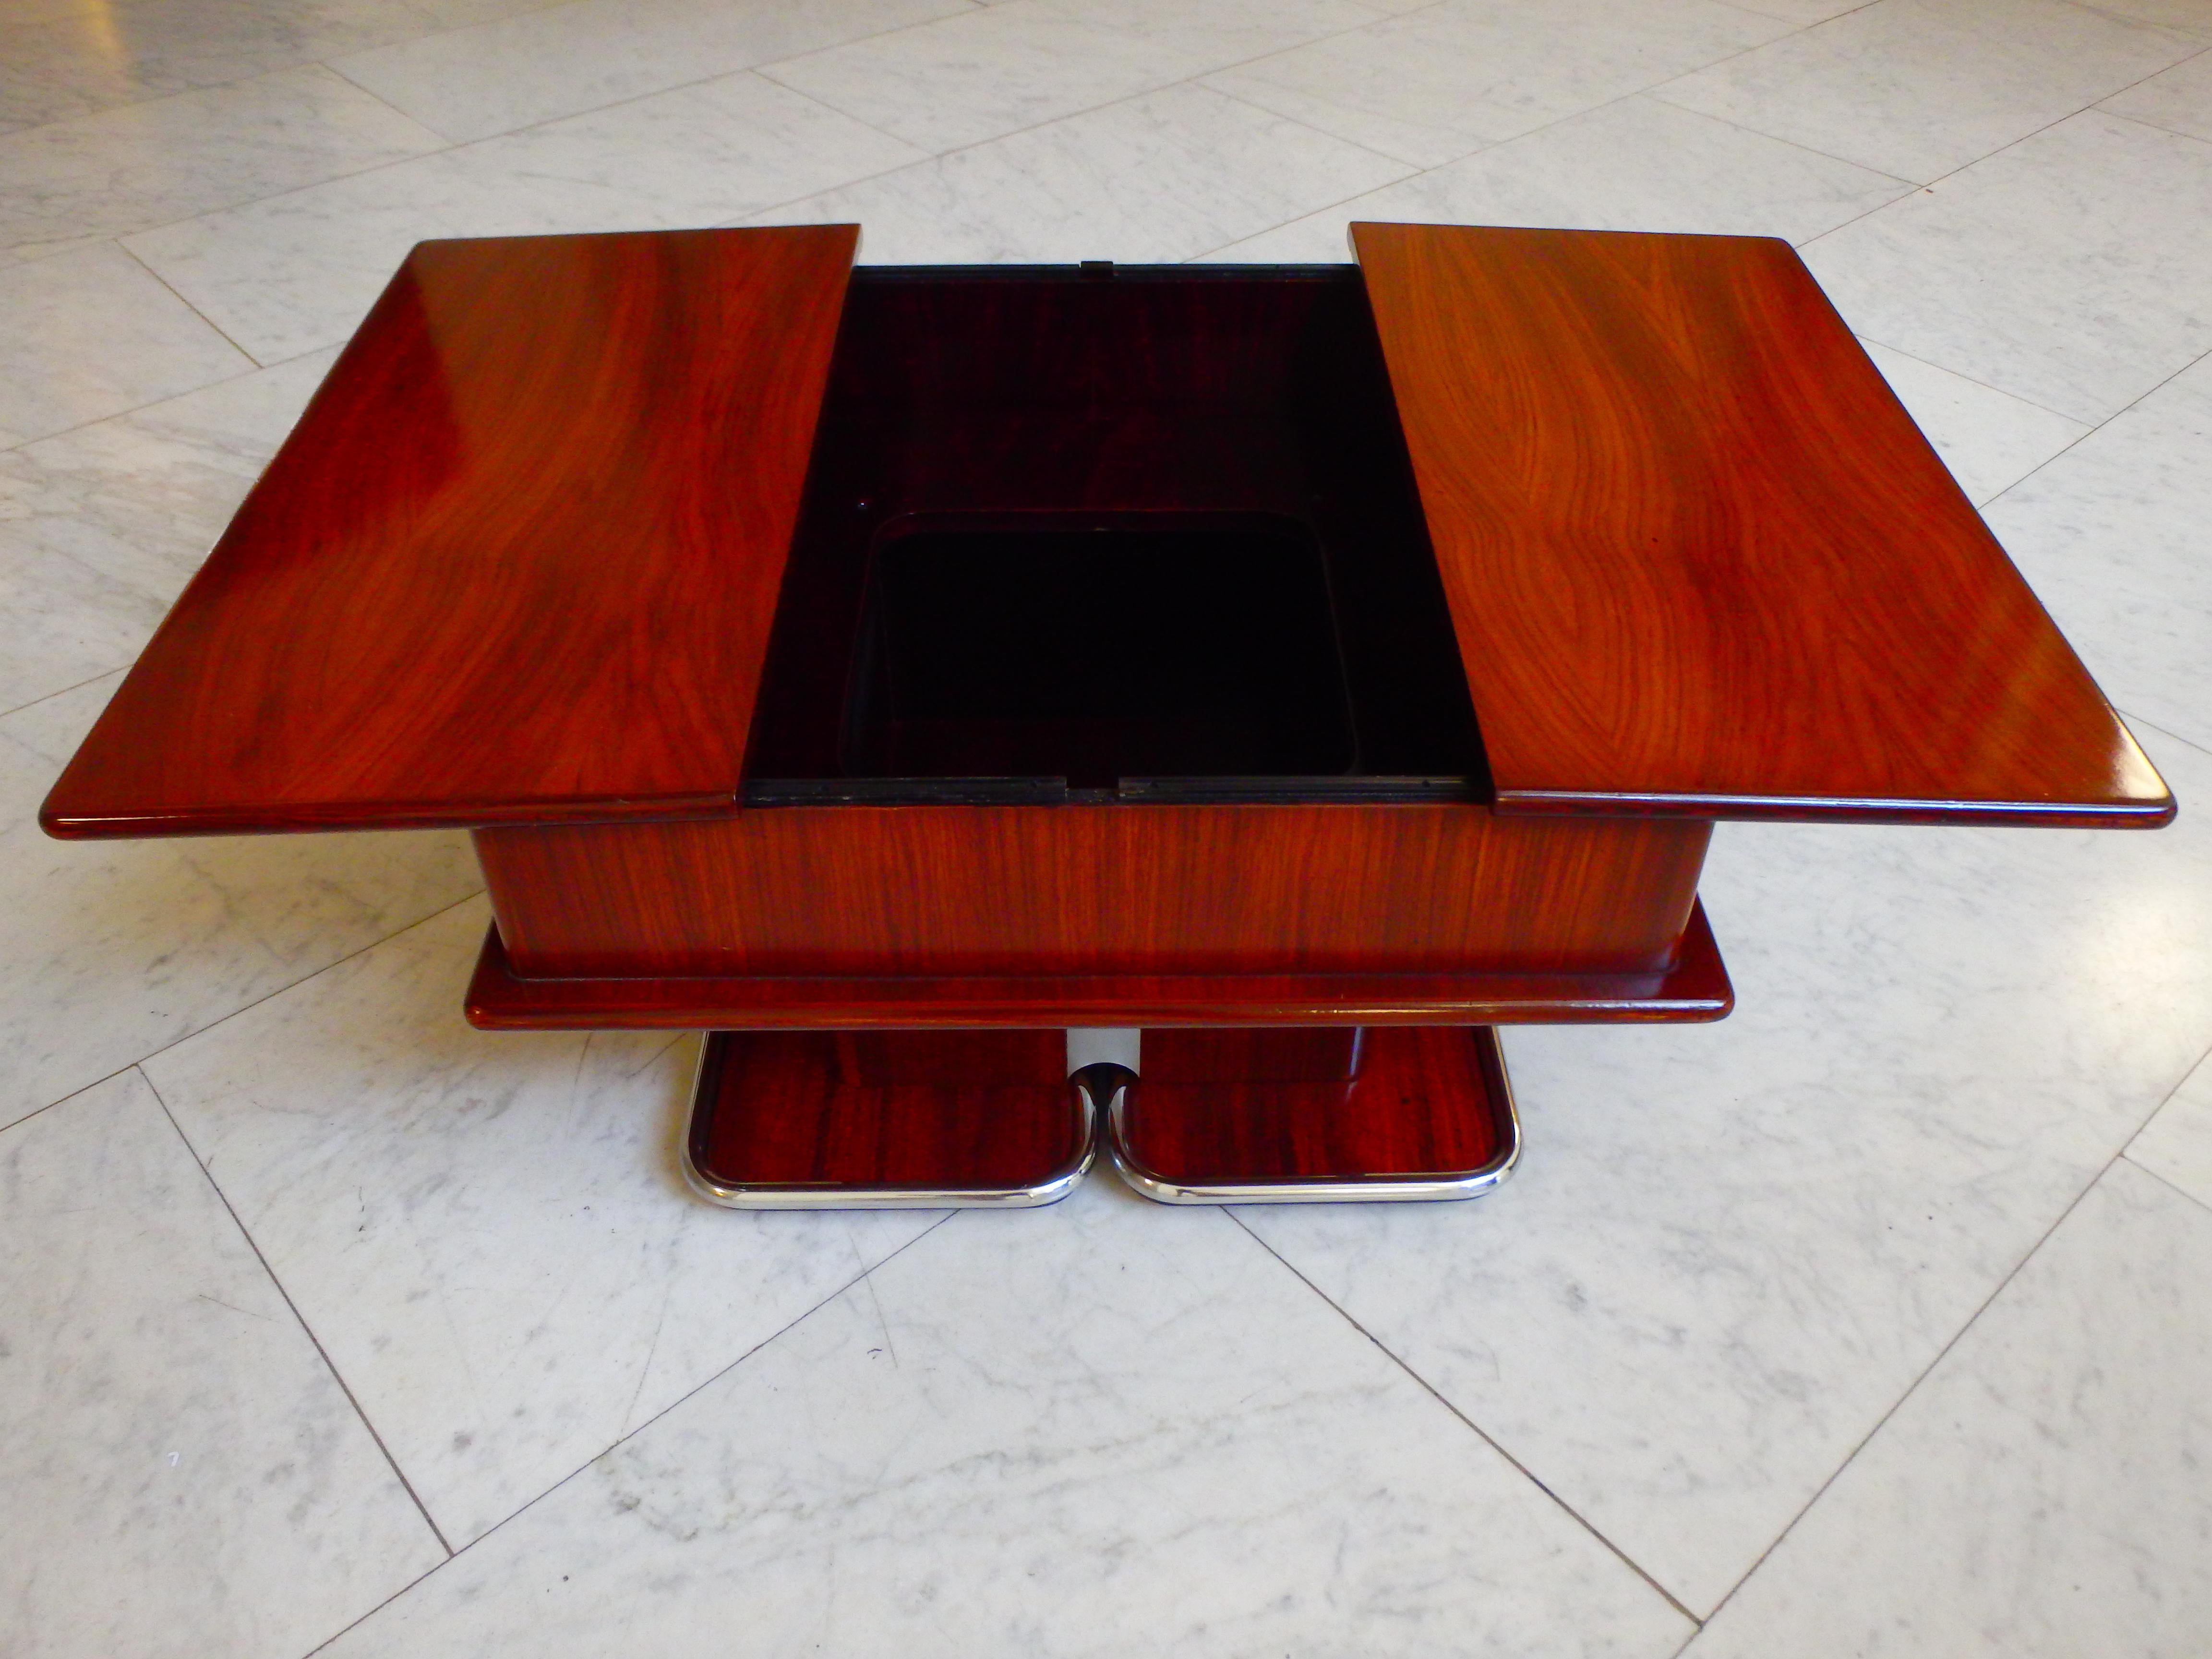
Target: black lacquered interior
1150, 532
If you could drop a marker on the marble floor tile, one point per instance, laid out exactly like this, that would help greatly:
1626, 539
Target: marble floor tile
563, 60
140, 498
2180, 100
90, 333
62, 622
1097, 1429
1160, 177
1988, 439
1920, 87
110, 950
2112, 537
2038, 271
991, 72
1730, 1249
487, 1231
170, 158
1435, 84
1635, 165
2176, 1145
184, 1476
2042, 1494
67, 61
297, 271
2188, 16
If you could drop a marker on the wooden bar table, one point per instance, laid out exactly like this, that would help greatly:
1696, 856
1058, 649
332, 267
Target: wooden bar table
1185, 707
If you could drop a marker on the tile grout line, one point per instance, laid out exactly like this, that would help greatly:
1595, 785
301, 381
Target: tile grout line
2094, 105
1429, 1388
220, 332
61, 691
251, 1243
202, 1030
1420, 172
782, 1330
2172, 1186
2151, 724
1959, 1335
2123, 409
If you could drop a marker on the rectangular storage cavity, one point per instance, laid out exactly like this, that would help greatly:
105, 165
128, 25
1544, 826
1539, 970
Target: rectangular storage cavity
1136, 532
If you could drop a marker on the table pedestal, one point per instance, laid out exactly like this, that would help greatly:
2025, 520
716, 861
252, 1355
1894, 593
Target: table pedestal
879, 1120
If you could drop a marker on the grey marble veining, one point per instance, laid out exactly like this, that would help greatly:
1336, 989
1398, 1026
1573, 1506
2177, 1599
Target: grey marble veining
553, 61
2043, 1493
295, 272
2073, 269
140, 498
1103, 1428
1443, 81
1164, 177
1990, 440
987, 73
1918, 88
148, 163
1730, 1249
487, 1230
1635, 165
90, 333
111, 950
2112, 534
2176, 1145
183, 1475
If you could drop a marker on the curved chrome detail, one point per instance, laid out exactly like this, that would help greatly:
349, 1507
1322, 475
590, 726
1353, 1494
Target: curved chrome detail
831, 1195
1396, 1188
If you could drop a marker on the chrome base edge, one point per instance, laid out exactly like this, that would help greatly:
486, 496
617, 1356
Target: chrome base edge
1441, 1187
832, 1195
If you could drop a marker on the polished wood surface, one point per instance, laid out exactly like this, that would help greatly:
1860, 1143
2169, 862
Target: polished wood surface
1311, 1053
1083, 890
1427, 1100
780, 1106
1700, 559
1696, 988
519, 560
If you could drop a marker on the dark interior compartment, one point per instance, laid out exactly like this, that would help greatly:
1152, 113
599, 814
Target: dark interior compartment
1150, 530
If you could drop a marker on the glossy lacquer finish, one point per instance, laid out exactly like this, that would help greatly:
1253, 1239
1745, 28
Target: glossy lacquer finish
519, 560
781, 1116
1695, 989
1698, 558
1112, 889
1427, 1101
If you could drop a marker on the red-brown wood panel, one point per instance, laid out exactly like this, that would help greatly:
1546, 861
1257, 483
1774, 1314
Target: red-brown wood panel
1081, 890
1696, 988
1699, 557
519, 560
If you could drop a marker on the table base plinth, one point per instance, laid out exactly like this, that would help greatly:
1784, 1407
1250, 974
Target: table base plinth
917, 1120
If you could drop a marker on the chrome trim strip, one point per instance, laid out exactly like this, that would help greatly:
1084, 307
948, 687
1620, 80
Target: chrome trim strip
1398, 1188
830, 1195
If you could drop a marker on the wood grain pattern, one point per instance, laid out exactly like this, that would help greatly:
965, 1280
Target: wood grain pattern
1092, 889
1695, 989
1700, 559
1427, 1100
776, 1107
519, 560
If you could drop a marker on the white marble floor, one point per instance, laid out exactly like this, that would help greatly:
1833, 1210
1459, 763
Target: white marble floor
1875, 1320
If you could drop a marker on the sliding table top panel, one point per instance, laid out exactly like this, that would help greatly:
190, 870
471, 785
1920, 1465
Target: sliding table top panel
519, 560
1700, 559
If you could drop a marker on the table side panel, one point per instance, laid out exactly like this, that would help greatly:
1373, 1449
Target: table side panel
1695, 989
1699, 557
1075, 889
519, 560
